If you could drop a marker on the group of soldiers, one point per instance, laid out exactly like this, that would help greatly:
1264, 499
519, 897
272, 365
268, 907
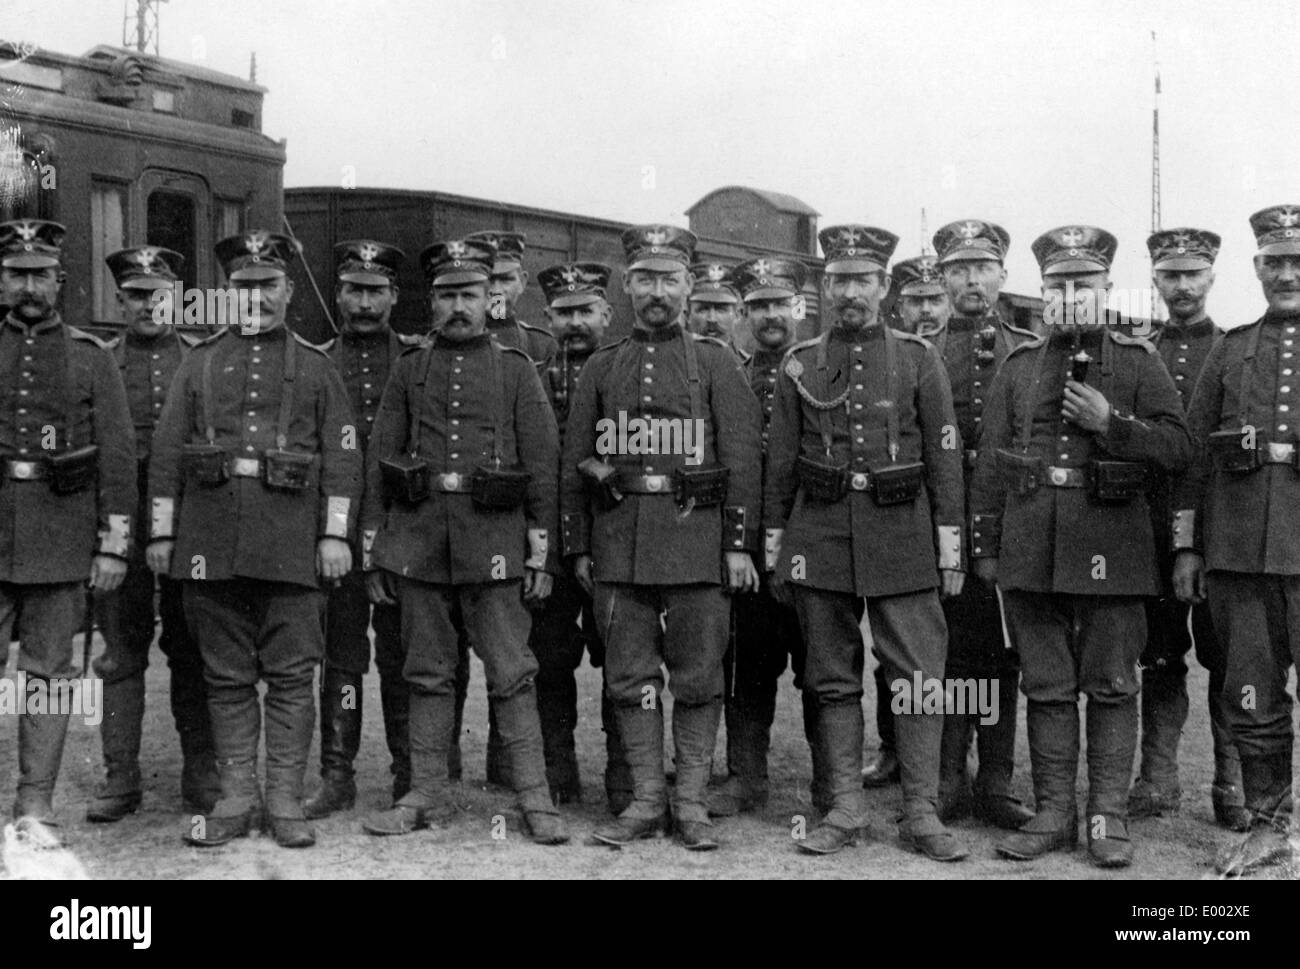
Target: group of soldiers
1046, 510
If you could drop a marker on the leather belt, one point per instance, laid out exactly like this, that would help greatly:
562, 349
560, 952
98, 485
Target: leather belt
1279, 454
645, 484
1066, 477
245, 468
452, 482
26, 470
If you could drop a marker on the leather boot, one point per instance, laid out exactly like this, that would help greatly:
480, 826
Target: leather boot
119, 733
820, 787
920, 736
236, 718
1226, 795
748, 739
618, 775
1054, 760
40, 751
995, 802
429, 801
557, 710
883, 771
1112, 742
1267, 783
839, 734
642, 734
340, 739
521, 745
1157, 792
200, 782
956, 796
695, 732
394, 696
454, 764
290, 722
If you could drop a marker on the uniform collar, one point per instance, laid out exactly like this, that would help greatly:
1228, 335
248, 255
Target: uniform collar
352, 336
134, 339
473, 343
1202, 328
875, 331
508, 322
51, 322
1063, 336
766, 357
265, 336
662, 335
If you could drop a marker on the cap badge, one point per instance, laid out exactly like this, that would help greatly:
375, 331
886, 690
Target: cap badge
456, 249
656, 237
145, 258
26, 231
1288, 217
969, 230
569, 274
254, 244
761, 268
848, 237
1072, 237
369, 252
716, 273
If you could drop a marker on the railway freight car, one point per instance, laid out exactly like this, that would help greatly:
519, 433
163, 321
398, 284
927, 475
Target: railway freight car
126, 148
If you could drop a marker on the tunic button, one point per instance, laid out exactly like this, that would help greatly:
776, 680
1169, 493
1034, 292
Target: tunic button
1286, 373
455, 422
455, 369
1286, 356
978, 384
157, 373
649, 365
249, 448
252, 413
857, 407
364, 355
857, 386
454, 456
367, 387
649, 349
646, 399
1065, 457
1065, 437
252, 393
1182, 346
1287, 343
22, 393
857, 349
459, 358
1285, 390
257, 346
1281, 427
455, 403
648, 380
1179, 376
257, 376
455, 437
22, 411
862, 440
857, 427
1182, 359
977, 401
252, 428
453, 386
1283, 408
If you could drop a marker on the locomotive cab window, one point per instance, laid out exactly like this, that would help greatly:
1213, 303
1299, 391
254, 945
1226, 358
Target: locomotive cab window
171, 221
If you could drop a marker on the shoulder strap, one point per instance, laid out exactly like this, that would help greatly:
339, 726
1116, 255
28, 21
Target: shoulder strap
891, 368
286, 389
417, 409
1026, 429
208, 429
67, 389
498, 396
692, 375
824, 382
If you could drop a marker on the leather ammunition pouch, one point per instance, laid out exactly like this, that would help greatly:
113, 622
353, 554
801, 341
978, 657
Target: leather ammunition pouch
600, 478
74, 471
1117, 482
405, 479
287, 470
824, 481
499, 489
896, 483
205, 464
1228, 450
1022, 474
704, 486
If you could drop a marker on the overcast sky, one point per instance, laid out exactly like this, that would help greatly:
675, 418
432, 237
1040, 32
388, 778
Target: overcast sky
1032, 114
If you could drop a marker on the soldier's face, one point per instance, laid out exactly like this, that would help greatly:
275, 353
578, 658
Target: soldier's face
363, 308
1280, 277
771, 321
973, 284
580, 328
924, 312
658, 298
31, 293
714, 319
263, 303
506, 286
855, 297
1184, 290
137, 307
1076, 300
460, 311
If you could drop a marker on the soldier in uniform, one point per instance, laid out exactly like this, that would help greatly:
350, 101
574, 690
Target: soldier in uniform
765, 630
509, 279
974, 343
148, 356
254, 480
659, 532
860, 493
715, 308
460, 505
1060, 520
68, 494
579, 314
1236, 535
364, 352
1182, 268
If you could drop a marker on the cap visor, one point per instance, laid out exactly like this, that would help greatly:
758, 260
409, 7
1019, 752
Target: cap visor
1074, 266
658, 264
255, 272
574, 299
460, 277
146, 282
1182, 262
769, 292
853, 266
1287, 248
29, 260
365, 279
971, 254
921, 289
714, 296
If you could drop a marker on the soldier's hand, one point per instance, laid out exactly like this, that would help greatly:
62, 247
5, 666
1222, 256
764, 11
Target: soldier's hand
741, 574
1189, 577
1086, 406
159, 557
952, 581
582, 572
377, 589
537, 586
333, 558
986, 570
106, 573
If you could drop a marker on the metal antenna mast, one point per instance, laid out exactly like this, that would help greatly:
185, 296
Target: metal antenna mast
146, 26
1155, 143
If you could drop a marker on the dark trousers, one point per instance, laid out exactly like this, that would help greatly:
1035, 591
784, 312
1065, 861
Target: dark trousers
250, 630
1258, 621
350, 617
909, 636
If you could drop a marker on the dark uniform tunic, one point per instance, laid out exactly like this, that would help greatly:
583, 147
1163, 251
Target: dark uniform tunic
1247, 527
536, 342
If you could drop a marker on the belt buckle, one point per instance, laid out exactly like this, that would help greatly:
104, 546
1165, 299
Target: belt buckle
654, 482
451, 481
22, 470
858, 482
1060, 476
1280, 452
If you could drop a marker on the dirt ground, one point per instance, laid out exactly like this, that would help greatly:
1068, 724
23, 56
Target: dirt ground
478, 845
